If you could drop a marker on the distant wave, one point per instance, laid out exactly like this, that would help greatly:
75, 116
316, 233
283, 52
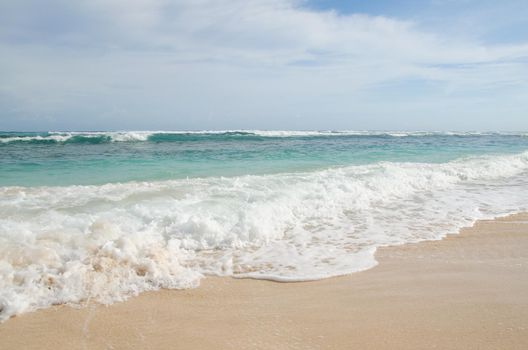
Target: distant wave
54, 137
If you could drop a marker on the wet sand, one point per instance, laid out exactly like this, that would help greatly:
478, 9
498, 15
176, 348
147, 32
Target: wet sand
468, 291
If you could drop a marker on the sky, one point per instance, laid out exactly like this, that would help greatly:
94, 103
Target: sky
263, 64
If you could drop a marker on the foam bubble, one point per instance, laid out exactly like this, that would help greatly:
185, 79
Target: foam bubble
70, 244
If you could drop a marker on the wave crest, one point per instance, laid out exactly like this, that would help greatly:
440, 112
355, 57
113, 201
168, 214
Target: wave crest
174, 136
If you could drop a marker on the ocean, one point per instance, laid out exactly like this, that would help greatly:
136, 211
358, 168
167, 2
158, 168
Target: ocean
106, 215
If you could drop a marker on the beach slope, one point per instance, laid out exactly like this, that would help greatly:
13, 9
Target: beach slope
468, 291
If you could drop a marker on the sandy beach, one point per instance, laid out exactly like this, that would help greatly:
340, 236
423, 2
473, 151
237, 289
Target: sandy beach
263, 175
468, 291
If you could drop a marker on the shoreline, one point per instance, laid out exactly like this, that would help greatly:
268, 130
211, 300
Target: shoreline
465, 291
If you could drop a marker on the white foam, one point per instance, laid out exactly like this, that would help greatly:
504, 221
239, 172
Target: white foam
116, 136
140, 136
69, 244
56, 138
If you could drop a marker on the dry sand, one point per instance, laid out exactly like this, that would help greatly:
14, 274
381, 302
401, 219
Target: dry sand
468, 291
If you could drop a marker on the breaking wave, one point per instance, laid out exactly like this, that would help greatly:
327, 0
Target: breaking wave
176, 136
73, 243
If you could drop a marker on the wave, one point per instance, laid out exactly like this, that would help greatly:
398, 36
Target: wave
73, 137
105, 243
175, 136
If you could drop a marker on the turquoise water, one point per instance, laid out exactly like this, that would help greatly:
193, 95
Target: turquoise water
105, 215
57, 159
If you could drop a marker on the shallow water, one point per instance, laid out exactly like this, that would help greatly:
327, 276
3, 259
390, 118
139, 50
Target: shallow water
106, 215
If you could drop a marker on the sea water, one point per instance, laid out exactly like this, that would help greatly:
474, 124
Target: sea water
105, 215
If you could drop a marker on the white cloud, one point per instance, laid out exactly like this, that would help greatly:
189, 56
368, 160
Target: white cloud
237, 55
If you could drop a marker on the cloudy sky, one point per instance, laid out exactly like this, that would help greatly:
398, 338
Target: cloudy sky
263, 64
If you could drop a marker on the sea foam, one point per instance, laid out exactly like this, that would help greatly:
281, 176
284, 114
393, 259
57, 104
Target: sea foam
142, 136
105, 243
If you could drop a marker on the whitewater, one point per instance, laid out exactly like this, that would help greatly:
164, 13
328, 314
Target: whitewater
140, 211
136, 136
